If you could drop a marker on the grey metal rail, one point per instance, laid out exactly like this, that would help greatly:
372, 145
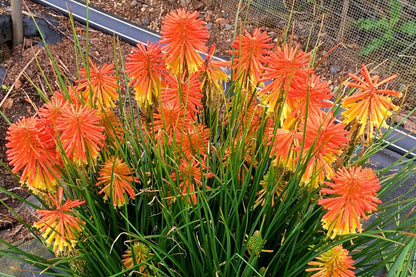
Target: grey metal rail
134, 33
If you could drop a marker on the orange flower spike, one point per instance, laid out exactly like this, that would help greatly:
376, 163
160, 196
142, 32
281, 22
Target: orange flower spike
284, 65
335, 262
370, 106
59, 226
327, 137
51, 110
314, 90
169, 119
212, 76
186, 92
194, 141
326, 140
117, 180
113, 127
80, 132
31, 147
354, 192
146, 68
250, 55
183, 35
191, 174
283, 147
103, 84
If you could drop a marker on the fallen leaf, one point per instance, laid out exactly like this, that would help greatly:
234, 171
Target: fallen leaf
17, 84
222, 21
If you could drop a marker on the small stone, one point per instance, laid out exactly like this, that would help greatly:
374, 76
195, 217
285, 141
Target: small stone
228, 27
185, 3
145, 21
222, 21
142, 9
198, 5
334, 69
209, 26
224, 14
133, 3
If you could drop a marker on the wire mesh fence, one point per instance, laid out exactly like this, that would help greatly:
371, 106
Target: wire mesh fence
381, 32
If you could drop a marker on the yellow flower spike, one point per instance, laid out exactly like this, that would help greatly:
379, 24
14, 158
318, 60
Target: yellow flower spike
117, 180
333, 263
146, 68
136, 254
103, 85
370, 106
59, 226
354, 192
31, 147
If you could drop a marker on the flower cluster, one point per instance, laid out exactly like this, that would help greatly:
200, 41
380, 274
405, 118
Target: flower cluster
275, 129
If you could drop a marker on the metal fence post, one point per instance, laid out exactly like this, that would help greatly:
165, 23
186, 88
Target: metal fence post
17, 22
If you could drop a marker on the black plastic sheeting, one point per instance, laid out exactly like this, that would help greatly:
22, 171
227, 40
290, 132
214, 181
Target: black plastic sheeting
31, 29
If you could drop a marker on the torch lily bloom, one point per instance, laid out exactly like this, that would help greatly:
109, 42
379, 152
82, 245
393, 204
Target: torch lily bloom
169, 120
284, 65
185, 91
325, 141
194, 141
146, 68
117, 180
80, 132
136, 254
183, 35
355, 194
59, 226
190, 176
308, 97
283, 148
31, 147
250, 56
99, 86
370, 106
335, 262
212, 76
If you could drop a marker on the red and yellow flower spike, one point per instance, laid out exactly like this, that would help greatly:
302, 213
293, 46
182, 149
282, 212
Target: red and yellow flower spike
169, 120
354, 192
369, 108
185, 91
183, 35
284, 65
250, 56
308, 96
326, 141
80, 132
190, 176
100, 90
335, 262
212, 77
59, 226
117, 180
31, 147
193, 141
146, 68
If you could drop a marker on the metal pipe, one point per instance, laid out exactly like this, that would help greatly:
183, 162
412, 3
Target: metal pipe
17, 22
